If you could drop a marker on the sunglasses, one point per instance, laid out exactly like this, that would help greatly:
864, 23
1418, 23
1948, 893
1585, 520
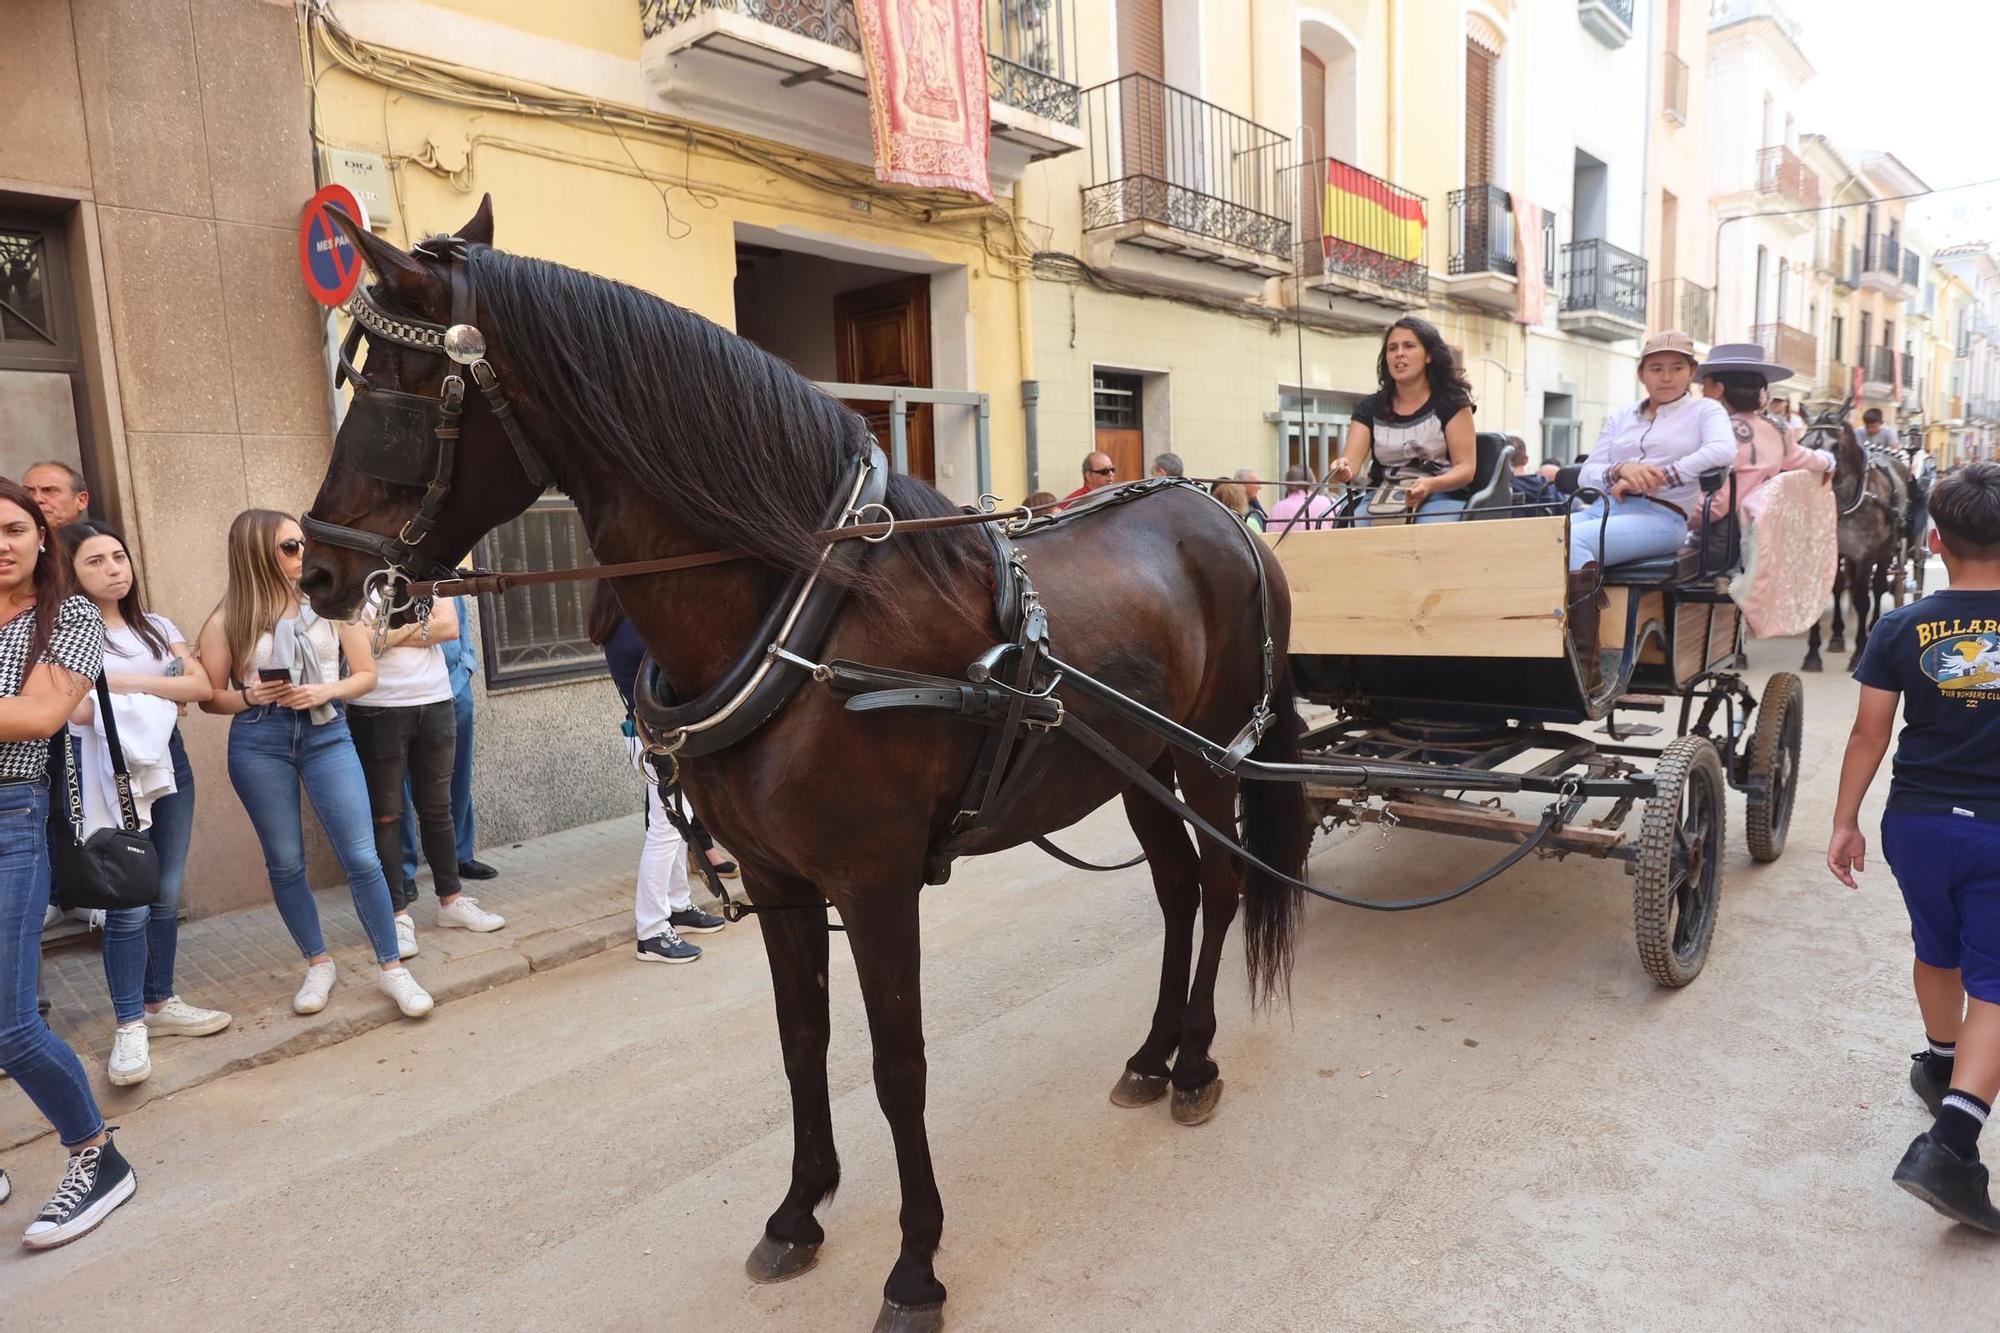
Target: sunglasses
292, 545
1103, 471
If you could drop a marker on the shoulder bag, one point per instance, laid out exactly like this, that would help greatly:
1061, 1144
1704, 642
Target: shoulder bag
111, 868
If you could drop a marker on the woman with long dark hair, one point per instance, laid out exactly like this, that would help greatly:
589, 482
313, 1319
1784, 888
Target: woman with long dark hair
663, 903
275, 667
1416, 428
145, 654
51, 649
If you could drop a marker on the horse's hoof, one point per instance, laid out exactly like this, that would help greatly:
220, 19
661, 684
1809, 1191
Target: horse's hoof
1195, 1106
909, 1318
1837, 645
1812, 664
777, 1260
1135, 1089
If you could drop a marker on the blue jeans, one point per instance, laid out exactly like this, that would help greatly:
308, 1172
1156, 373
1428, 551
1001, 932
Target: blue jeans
273, 752
1636, 528
1437, 509
461, 793
139, 942
36, 1058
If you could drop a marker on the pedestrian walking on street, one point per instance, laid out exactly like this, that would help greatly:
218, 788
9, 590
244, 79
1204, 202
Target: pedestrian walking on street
1940, 656
51, 649
461, 661
148, 667
275, 669
406, 731
663, 902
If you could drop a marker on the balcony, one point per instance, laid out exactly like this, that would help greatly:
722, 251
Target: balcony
1913, 270
1840, 379
791, 71
1482, 265
1883, 270
1609, 21
1687, 306
1792, 348
1847, 276
1364, 245
1675, 91
1177, 183
1878, 372
1604, 291
1790, 181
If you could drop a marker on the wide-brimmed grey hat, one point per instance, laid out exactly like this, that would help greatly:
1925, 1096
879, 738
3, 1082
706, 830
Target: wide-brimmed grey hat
1743, 359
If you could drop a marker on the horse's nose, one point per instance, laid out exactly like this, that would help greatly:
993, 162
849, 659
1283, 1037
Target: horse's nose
315, 580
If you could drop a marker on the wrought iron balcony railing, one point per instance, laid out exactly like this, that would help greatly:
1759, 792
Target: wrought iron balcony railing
1481, 220
1913, 269
1161, 155
1600, 276
1684, 305
1676, 92
1360, 226
1880, 365
1780, 172
1885, 255
1789, 346
1030, 55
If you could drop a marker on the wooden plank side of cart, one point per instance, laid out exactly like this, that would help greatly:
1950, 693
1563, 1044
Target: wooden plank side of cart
1443, 590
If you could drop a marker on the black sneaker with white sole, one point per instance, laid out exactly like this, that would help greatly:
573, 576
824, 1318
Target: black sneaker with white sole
97, 1181
667, 947
1948, 1183
694, 921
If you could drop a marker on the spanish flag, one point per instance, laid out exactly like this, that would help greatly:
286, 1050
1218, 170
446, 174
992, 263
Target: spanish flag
1368, 212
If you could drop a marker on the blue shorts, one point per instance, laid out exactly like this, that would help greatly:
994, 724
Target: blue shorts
1948, 867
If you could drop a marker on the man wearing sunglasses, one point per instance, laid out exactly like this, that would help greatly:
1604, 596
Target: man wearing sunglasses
1098, 472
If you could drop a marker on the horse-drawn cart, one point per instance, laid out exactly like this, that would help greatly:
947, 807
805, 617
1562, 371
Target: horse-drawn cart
1445, 646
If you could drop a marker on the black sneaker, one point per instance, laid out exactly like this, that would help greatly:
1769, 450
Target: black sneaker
97, 1181
667, 947
476, 870
1926, 1084
694, 921
1948, 1183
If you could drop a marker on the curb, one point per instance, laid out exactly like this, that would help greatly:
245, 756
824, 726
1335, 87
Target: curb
273, 1032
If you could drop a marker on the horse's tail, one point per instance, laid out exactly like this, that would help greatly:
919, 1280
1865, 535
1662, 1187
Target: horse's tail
1277, 832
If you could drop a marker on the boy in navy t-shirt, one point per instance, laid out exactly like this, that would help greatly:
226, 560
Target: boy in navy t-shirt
1941, 830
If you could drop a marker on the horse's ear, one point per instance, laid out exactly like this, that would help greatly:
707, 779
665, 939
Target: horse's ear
404, 275
480, 229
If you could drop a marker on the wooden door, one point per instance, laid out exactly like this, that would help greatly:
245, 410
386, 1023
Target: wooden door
1142, 106
883, 336
1479, 80
1312, 172
1127, 448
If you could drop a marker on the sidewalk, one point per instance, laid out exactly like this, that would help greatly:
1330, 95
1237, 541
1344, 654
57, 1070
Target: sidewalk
565, 896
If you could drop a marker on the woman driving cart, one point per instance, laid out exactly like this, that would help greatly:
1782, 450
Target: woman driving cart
1414, 432
1647, 467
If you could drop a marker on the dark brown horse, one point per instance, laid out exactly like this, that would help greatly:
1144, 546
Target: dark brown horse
1870, 498
675, 436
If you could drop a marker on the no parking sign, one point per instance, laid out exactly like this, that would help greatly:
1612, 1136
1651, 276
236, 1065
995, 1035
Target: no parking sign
329, 261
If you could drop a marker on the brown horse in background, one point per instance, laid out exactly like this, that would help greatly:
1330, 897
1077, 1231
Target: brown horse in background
1870, 496
674, 436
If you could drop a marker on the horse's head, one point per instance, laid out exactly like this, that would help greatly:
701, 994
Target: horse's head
423, 465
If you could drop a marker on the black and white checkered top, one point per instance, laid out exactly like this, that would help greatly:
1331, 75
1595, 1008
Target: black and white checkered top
77, 645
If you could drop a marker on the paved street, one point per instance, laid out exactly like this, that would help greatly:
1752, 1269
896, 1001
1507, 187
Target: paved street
1481, 1116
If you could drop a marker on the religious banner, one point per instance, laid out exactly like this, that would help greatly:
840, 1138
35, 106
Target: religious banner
1790, 545
1530, 282
1369, 227
927, 91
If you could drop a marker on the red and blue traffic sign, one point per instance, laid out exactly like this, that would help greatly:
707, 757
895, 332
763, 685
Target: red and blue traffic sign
329, 261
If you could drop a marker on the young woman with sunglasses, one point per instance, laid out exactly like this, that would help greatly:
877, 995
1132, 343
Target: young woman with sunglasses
275, 667
51, 649
144, 654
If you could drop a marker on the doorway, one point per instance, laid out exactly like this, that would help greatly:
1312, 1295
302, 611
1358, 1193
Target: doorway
44, 412
1118, 421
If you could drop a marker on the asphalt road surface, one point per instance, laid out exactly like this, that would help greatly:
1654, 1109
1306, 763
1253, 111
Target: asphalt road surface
1479, 1116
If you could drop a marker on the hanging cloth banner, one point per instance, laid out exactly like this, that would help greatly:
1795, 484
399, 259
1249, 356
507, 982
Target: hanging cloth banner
1365, 213
1530, 283
927, 91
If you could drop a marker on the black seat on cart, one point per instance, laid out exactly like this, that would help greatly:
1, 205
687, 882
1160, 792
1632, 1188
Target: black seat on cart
1493, 472
1713, 549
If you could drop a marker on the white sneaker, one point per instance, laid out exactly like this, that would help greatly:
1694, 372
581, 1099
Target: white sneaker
466, 913
410, 997
130, 1061
318, 985
5, 1188
406, 936
178, 1018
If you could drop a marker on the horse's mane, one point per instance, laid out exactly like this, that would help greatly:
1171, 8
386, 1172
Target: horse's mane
747, 451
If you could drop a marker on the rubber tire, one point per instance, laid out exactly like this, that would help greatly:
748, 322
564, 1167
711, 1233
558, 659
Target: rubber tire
1690, 762
1766, 823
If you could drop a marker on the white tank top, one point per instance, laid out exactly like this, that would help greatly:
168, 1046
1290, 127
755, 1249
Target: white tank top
324, 640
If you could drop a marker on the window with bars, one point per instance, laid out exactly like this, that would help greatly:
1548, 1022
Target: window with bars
1115, 401
538, 634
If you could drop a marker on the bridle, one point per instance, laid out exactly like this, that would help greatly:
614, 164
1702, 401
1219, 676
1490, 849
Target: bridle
410, 439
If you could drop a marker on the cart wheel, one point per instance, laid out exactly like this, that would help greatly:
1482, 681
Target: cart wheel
1678, 874
1774, 757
